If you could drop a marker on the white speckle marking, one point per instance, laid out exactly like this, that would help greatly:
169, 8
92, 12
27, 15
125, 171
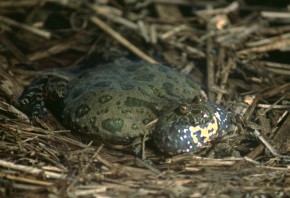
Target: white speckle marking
217, 115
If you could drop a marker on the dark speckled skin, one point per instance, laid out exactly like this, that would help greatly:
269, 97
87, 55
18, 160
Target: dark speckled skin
115, 102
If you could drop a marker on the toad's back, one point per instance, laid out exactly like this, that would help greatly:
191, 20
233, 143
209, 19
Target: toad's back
115, 102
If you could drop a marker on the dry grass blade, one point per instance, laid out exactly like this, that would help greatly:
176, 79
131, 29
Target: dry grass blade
238, 52
33, 30
122, 40
33, 171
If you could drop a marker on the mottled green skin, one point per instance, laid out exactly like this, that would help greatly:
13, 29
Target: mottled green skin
115, 102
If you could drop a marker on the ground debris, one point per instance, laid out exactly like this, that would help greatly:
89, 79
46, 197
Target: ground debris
238, 52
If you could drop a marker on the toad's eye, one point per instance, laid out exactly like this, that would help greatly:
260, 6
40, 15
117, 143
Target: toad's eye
183, 109
199, 99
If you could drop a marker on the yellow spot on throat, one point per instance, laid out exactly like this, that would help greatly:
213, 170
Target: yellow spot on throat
208, 131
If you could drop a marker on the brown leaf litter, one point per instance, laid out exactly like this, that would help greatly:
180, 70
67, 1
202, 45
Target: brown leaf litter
238, 52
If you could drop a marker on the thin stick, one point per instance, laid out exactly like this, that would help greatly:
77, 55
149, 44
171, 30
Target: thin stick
28, 28
210, 69
122, 40
30, 170
266, 143
25, 180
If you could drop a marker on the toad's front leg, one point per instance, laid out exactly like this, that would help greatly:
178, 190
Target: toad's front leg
44, 92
